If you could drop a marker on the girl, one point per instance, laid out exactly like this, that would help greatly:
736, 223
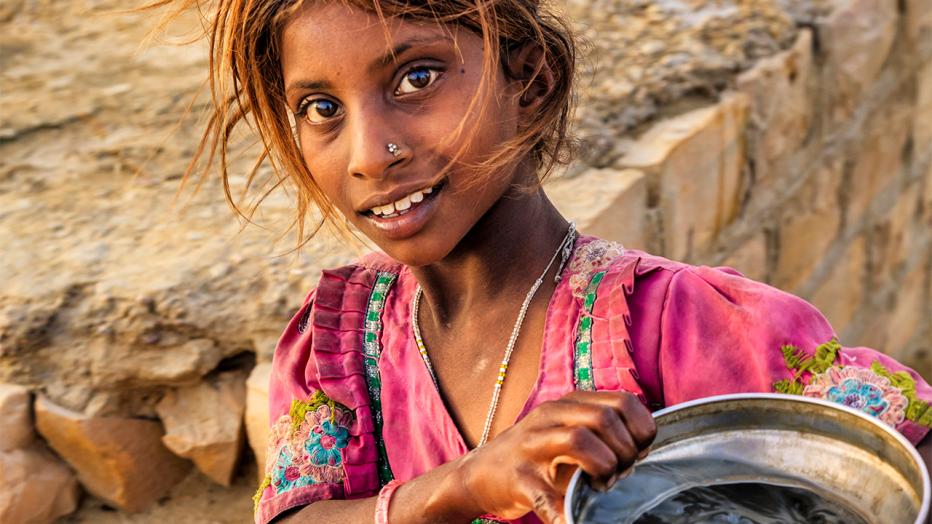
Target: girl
464, 373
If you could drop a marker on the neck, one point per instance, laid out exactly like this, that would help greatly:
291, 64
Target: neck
498, 260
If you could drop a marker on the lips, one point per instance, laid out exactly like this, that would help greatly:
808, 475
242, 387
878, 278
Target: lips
408, 222
404, 204
393, 196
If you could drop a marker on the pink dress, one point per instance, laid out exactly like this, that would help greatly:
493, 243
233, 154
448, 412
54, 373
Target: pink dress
353, 406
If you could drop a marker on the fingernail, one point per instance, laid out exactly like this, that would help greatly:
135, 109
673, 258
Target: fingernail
612, 480
643, 454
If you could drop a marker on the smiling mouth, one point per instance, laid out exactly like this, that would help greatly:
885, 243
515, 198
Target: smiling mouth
406, 204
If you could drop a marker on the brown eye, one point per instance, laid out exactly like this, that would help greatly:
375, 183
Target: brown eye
417, 79
320, 110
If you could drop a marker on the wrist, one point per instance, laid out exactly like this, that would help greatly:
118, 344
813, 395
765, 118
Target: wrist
452, 500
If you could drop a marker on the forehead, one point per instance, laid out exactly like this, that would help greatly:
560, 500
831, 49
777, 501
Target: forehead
331, 36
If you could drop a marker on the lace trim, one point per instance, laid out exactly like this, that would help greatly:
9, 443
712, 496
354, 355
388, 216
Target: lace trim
589, 259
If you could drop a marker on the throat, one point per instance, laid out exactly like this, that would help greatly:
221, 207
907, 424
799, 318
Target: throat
467, 364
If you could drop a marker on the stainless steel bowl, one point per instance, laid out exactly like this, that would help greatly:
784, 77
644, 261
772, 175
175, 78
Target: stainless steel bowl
830, 449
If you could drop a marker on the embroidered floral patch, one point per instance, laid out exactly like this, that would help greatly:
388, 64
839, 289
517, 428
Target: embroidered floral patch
860, 389
305, 446
588, 260
891, 397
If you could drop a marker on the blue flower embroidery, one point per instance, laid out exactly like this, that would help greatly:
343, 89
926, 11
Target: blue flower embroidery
325, 442
861, 389
287, 475
860, 395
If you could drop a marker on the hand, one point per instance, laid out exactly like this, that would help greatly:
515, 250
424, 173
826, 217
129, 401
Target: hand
528, 466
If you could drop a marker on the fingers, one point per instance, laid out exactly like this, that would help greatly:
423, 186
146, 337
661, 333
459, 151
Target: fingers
617, 419
608, 425
637, 418
573, 445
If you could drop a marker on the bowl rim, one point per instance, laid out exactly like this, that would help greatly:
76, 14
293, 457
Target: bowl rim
910, 449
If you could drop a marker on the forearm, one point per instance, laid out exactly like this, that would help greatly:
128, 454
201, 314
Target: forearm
435, 497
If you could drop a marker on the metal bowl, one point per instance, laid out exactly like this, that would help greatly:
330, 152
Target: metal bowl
837, 452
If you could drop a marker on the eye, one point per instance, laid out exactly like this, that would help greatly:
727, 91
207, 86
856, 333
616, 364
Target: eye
318, 110
417, 79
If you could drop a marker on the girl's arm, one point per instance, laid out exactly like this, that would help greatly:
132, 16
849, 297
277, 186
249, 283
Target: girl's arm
722, 333
436, 496
524, 469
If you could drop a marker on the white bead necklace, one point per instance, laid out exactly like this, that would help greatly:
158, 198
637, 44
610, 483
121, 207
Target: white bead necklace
565, 248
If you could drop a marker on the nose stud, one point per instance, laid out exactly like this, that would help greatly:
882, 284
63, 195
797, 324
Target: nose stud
393, 149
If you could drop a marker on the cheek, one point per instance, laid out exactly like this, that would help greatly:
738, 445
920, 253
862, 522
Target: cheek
323, 162
490, 123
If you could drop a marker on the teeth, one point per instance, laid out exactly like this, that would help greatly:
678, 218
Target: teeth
402, 204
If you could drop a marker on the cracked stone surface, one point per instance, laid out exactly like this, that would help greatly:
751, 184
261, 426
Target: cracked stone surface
118, 289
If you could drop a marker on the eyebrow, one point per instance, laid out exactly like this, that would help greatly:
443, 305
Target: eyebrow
386, 59
393, 53
307, 84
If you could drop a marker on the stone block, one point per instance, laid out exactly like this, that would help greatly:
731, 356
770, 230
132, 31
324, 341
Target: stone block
697, 159
264, 344
750, 258
910, 312
204, 423
16, 431
608, 203
896, 235
781, 104
856, 39
808, 225
926, 220
922, 121
840, 295
257, 412
37, 487
879, 159
919, 27
181, 364
120, 460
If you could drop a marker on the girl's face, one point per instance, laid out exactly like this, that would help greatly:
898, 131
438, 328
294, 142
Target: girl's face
356, 87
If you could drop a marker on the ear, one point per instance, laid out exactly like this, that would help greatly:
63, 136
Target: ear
527, 65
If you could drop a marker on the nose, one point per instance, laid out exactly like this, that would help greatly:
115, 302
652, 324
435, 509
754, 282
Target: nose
371, 135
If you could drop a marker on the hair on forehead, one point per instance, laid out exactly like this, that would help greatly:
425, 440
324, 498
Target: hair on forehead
247, 87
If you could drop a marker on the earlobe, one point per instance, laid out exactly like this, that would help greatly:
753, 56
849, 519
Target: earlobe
528, 66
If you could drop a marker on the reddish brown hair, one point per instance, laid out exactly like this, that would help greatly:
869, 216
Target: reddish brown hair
246, 83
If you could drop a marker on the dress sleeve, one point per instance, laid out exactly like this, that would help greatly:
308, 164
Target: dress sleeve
304, 461
722, 333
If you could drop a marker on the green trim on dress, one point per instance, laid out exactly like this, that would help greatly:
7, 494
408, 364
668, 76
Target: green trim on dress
372, 350
582, 356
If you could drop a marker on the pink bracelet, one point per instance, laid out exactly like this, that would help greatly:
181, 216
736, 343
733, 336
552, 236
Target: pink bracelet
385, 496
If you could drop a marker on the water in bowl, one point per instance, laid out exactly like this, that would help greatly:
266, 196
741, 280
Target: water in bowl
700, 491
748, 503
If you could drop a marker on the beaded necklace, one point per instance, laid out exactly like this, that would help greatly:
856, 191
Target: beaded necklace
565, 249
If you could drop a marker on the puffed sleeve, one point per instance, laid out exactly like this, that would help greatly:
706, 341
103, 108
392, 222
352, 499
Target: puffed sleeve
722, 333
308, 430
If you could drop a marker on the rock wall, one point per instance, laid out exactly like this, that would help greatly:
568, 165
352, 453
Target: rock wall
791, 139
811, 171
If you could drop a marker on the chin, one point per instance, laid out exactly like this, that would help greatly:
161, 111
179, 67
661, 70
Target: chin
419, 251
